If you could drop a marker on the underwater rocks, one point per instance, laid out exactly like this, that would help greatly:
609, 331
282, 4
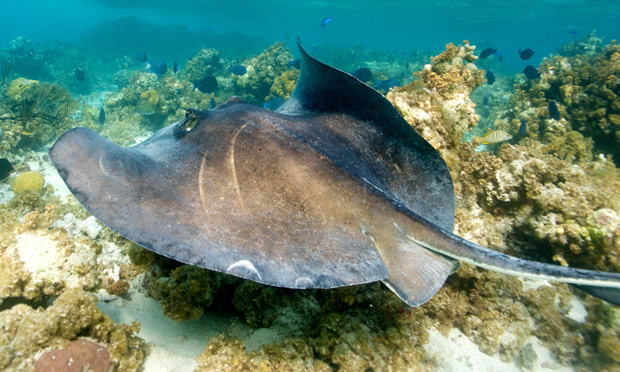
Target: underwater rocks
27, 332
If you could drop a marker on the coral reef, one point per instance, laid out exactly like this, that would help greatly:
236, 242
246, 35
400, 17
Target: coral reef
262, 72
31, 181
283, 85
26, 331
586, 89
207, 62
26, 60
437, 103
147, 103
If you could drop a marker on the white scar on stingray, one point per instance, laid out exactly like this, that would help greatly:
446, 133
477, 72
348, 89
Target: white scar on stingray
245, 264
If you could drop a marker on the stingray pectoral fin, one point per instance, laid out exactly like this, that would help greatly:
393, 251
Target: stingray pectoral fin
609, 294
604, 285
416, 273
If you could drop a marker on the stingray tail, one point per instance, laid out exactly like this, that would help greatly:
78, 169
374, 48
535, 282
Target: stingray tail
604, 285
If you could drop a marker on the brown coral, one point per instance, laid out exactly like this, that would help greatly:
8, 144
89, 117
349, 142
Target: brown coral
80, 355
26, 332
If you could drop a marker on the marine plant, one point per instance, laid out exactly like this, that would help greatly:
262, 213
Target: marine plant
36, 113
6, 72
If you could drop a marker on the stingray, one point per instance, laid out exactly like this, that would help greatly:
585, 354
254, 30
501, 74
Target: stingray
333, 189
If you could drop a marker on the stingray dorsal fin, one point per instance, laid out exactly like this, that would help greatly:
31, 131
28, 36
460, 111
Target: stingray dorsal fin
325, 89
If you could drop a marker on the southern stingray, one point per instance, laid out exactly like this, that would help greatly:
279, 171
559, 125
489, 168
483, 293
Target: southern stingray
333, 189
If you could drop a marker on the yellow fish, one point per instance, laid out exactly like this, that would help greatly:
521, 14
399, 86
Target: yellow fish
495, 136
27, 133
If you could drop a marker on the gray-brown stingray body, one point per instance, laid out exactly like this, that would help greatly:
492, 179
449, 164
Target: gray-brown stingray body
334, 189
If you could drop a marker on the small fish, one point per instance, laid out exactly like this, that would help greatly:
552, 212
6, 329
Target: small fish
28, 133
207, 84
5, 168
487, 52
495, 136
526, 53
144, 108
490, 77
295, 63
573, 32
79, 74
485, 99
175, 67
238, 70
326, 21
158, 68
212, 104
522, 128
141, 57
101, 118
363, 74
273, 103
500, 56
554, 113
531, 72
387, 84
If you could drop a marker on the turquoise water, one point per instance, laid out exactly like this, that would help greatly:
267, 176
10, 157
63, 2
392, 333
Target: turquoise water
399, 26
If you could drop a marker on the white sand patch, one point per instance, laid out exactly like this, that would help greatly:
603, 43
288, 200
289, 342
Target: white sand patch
76, 227
6, 192
175, 346
577, 311
532, 284
457, 353
47, 261
261, 337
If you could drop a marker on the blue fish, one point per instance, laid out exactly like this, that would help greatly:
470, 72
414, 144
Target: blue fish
79, 74
238, 70
158, 68
141, 57
175, 67
273, 103
5, 168
295, 63
387, 84
101, 118
531, 73
212, 104
207, 84
363, 74
487, 52
554, 113
490, 77
525, 53
326, 21
522, 128
485, 99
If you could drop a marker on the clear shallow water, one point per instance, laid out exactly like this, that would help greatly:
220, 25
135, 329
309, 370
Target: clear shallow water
395, 25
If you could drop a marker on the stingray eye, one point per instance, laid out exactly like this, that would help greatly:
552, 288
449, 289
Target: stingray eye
191, 119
